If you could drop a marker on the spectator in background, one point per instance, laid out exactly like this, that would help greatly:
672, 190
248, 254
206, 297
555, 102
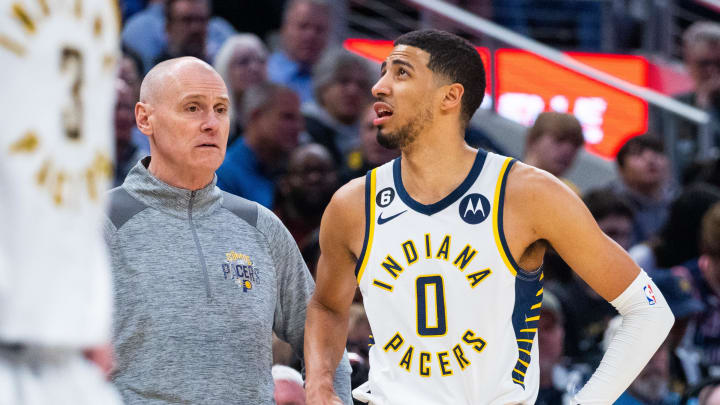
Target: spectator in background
254, 161
305, 190
644, 182
304, 32
552, 143
677, 241
341, 84
370, 153
705, 275
613, 215
130, 71
145, 32
289, 386
551, 336
701, 55
242, 63
127, 153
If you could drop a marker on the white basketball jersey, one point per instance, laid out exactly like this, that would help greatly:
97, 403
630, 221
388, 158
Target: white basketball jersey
57, 95
453, 317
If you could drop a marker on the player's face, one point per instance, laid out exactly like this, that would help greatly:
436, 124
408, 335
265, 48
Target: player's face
190, 120
405, 94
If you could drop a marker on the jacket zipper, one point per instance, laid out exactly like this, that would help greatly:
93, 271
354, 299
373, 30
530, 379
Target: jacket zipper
199, 248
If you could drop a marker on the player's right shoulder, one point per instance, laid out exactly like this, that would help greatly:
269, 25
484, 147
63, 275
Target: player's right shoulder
346, 211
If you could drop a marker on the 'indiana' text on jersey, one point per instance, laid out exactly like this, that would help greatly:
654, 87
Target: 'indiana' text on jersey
453, 316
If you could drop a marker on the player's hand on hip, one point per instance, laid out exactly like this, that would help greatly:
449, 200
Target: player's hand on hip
322, 398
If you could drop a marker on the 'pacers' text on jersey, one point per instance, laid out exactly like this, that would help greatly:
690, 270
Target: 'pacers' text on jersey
454, 318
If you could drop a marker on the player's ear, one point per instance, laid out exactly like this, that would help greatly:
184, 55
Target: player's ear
452, 97
142, 118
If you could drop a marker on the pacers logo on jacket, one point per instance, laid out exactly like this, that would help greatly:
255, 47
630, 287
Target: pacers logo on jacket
239, 268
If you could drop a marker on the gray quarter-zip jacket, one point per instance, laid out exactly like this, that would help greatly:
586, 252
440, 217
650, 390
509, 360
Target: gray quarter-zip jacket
202, 279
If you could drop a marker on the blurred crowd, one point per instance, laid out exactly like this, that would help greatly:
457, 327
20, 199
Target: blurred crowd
301, 126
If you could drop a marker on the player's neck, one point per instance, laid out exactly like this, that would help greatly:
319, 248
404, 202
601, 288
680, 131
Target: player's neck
180, 177
433, 167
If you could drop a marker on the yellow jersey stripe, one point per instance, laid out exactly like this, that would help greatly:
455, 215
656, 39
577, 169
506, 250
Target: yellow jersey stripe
371, 225
532, 318
524, 363
525, 351
524, 340
539, 293
496, 219
536, 306
532, 330
519, 372
518, 381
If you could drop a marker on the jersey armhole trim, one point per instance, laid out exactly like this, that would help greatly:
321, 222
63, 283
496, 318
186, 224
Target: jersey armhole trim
498, 231
369, 224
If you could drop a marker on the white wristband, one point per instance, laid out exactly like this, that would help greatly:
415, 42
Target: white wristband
646, 321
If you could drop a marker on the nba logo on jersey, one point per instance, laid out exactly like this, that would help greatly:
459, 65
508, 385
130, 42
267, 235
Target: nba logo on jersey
649, 294
474, 208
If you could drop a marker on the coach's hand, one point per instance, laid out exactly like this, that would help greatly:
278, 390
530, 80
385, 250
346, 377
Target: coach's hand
102, 356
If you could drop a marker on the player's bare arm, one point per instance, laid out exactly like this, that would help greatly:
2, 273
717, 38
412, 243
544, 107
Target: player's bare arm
327, 312
541, 210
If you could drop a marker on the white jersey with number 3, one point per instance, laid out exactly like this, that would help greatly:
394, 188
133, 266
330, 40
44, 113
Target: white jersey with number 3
57, 97
454, 319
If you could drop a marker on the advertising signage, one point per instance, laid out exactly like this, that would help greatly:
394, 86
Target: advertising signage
526, 85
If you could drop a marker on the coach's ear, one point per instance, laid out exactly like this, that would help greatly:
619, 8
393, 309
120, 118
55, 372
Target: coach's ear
452, 97
142, 118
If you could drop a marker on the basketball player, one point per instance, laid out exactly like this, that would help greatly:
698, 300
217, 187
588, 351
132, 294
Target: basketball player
446, 244
57, 81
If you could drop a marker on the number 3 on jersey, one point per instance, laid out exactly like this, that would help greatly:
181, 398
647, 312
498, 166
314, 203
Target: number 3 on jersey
430, 300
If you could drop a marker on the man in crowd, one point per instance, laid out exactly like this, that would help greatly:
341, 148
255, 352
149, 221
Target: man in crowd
644, 183
553, 142
305, 190
147, 32
342, 82
127, 153
256, 160
203, 277
701, 55
305, 31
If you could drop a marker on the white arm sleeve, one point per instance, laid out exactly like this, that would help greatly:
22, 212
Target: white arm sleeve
646, 321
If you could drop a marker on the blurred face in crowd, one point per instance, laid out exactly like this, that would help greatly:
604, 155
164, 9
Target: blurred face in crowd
554, 154
128, 72
651, 384
247, 68
346, 97
185, 114
280, 123
551, 335
187, 27
305, 32
311, 179
702, 60
289, 393
619, 228
405, 94
374, 153
124, 114
645, 170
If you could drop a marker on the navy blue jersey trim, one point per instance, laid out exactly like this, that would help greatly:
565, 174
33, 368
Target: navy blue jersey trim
368, 197
431, 209
501, 231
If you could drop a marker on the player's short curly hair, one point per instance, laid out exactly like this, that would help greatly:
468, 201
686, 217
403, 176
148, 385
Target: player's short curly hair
455, 59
